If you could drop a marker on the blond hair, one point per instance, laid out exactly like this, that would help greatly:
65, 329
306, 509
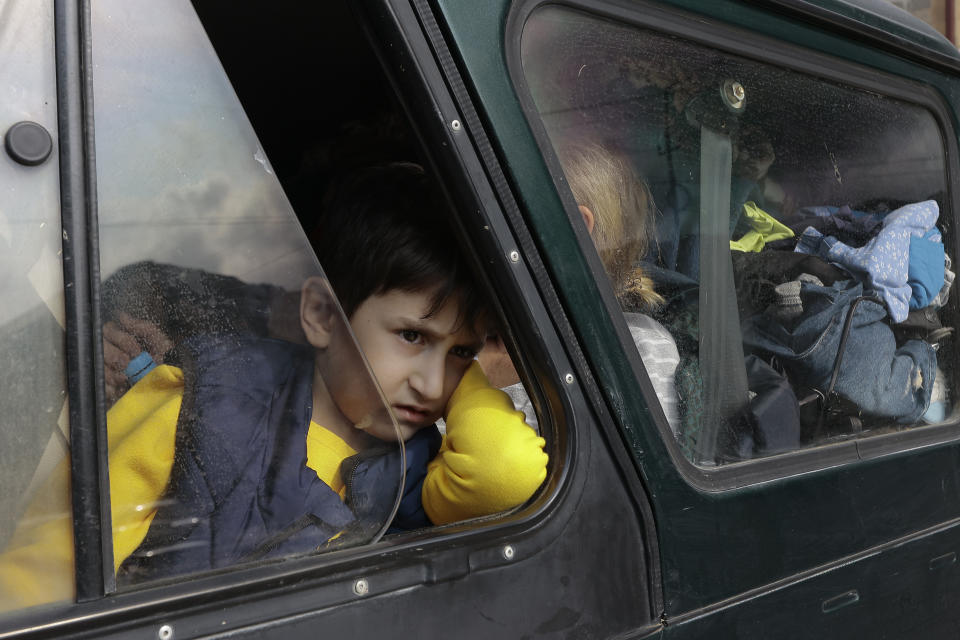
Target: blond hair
623, 211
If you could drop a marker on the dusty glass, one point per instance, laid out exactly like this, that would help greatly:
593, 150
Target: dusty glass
779, 242
34, 438
214, 388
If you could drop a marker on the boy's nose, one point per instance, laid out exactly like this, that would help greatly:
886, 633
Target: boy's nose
427, 379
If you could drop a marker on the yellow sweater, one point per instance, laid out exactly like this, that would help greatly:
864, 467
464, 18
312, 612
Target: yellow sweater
490, 461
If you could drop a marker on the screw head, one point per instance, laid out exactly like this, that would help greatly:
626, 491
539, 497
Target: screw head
455, 125
361, 587
734, 94
514, 256
509, 552
165, 632
568, 378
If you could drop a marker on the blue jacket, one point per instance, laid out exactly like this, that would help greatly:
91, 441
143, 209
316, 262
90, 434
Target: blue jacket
240, 489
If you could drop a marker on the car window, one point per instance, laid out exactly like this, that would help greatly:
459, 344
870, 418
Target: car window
260, 406
205, 265
33, 400
778, 242
212, 405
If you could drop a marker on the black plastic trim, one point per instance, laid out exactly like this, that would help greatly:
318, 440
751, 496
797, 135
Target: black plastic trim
741, 42
84, 357
556, 312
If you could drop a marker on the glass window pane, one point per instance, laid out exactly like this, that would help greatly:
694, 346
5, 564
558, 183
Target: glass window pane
223, 446
34, 439
775, 239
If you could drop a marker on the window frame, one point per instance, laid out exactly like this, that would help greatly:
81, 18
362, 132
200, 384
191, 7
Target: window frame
739, 41
325, 580
84, 355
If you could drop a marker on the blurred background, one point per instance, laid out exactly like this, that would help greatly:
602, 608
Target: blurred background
940, 14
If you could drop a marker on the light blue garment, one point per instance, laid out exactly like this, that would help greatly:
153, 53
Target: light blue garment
926, 272
884, 262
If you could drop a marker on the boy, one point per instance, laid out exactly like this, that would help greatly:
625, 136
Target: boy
260, 448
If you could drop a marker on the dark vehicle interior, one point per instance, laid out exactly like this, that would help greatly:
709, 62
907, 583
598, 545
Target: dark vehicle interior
315, 93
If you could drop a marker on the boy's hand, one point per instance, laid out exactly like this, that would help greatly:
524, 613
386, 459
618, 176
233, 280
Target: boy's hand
123, 340
490, 460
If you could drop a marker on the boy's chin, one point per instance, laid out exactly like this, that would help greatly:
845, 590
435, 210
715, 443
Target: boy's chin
385, 431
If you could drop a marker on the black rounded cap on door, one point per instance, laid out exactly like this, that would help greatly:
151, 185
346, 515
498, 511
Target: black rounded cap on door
28, 143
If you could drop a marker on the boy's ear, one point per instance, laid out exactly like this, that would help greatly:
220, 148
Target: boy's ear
318, 311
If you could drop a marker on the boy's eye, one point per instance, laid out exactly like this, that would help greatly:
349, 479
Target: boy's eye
465, 353
409, 335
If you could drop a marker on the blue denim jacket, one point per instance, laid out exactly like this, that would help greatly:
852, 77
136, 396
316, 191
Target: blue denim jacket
881, 378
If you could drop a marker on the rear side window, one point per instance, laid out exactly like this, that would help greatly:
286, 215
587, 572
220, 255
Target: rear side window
780, 243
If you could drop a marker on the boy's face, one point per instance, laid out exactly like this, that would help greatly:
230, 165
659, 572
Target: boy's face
418, 361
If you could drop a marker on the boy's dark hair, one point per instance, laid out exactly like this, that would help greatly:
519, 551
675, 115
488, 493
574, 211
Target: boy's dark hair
386, 227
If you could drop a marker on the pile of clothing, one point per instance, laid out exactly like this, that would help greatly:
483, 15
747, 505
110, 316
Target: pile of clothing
847, 303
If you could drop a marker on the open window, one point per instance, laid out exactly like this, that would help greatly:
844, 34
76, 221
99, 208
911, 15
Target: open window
212, 168
779, 239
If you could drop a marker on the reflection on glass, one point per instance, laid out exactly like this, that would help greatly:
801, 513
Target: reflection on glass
228, 439
778, 236
250, 440
34, 438
182, 177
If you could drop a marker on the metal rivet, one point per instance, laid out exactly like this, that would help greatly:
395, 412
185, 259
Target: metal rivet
514, 256
165, 632
455, 125
568, 378
508, 552
361, 587
734, 94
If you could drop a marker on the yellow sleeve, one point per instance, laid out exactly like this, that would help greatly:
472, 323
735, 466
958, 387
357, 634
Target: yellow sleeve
141, 432
490, 460
37, 566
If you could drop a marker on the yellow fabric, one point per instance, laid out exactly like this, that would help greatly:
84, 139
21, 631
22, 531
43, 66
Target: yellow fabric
764, 228
37, 565
141, 428
490, 460
141, 438
141, 432
325, 451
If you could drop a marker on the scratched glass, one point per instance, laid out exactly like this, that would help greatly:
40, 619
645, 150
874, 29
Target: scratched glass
698, 172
